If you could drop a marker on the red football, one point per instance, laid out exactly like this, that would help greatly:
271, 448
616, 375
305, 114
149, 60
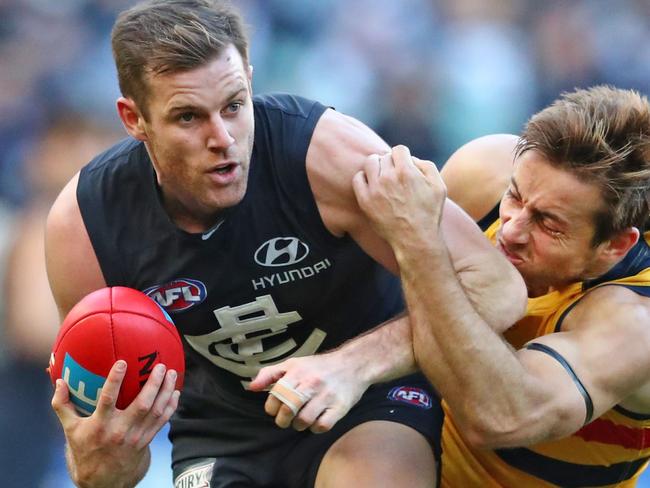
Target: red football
110, 324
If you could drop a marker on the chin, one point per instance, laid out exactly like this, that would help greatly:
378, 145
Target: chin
229, 200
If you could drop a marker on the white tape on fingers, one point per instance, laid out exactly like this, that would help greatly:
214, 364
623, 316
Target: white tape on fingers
292, 406
288, 395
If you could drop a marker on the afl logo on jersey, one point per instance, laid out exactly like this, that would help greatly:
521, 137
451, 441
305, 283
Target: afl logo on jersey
178, 295
281, 251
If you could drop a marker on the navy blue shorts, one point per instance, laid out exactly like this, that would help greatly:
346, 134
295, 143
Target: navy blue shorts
294, 461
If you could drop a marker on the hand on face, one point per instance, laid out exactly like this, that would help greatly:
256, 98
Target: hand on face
402, 196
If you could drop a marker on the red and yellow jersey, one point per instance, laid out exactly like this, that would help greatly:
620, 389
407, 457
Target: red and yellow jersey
612, 450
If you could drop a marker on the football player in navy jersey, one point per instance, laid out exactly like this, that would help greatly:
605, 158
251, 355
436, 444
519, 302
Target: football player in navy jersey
209, 178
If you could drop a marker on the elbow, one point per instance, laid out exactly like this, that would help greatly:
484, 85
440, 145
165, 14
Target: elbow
515, 289
517, 431
494, 433
481, 438
500, 430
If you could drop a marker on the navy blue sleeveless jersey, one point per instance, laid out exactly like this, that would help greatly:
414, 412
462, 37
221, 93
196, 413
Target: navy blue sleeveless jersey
270, 282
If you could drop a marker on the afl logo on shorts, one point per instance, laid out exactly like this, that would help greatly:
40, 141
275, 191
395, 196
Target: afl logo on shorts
413, 396
178, 294
281, 251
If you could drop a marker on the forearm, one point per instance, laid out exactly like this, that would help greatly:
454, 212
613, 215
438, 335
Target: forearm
492, 284
475, 371
106, 476
383, 353
494, 288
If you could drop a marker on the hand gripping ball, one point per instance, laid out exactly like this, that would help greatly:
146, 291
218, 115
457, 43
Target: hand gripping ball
110, 324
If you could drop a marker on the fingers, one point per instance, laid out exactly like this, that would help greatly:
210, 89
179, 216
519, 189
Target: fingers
267, 376
284, 402
153, 407
165, 407
164, 395
289, 395
284, 416
401, 159
62, 405
372, 168
429, 170
142, 404
368, 177
111, 389
326, 421
272, 405
308, 414
360, 187
376, 166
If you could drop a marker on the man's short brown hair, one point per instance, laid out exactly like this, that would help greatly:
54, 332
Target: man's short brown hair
601, 135
169, 36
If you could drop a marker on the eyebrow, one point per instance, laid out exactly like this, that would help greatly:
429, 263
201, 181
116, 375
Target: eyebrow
182, 108
540, 213
236, 92
191, 107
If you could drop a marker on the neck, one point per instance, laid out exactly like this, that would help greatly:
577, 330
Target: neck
597, 272
188, 220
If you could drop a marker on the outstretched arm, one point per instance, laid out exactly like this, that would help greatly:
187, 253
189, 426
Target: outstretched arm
110, 447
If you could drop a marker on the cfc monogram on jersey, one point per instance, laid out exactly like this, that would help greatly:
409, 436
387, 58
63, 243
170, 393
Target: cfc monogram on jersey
237, 346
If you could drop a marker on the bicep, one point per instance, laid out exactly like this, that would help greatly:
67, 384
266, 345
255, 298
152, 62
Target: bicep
72, 267
338, 150
597, 363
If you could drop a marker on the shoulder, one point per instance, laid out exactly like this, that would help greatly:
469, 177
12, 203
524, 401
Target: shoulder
614, 323
612, 306
284, 127
286, 104
112, 174
479, 172
122, 150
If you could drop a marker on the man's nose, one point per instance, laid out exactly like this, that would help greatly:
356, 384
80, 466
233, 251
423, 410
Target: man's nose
220, 137
516, 228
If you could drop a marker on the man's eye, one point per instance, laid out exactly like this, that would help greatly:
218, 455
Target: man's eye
511, 194
187, 117
233, 107
551, 230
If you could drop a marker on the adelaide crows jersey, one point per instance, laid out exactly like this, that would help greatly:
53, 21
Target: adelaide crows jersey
267, 283
611, 450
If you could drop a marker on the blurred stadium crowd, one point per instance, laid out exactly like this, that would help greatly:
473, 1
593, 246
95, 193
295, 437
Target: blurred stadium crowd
430, 74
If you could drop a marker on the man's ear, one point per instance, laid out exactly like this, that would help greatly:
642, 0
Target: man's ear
619, 245
132, 118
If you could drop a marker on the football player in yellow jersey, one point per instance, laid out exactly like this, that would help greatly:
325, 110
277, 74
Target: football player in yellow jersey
564, 399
